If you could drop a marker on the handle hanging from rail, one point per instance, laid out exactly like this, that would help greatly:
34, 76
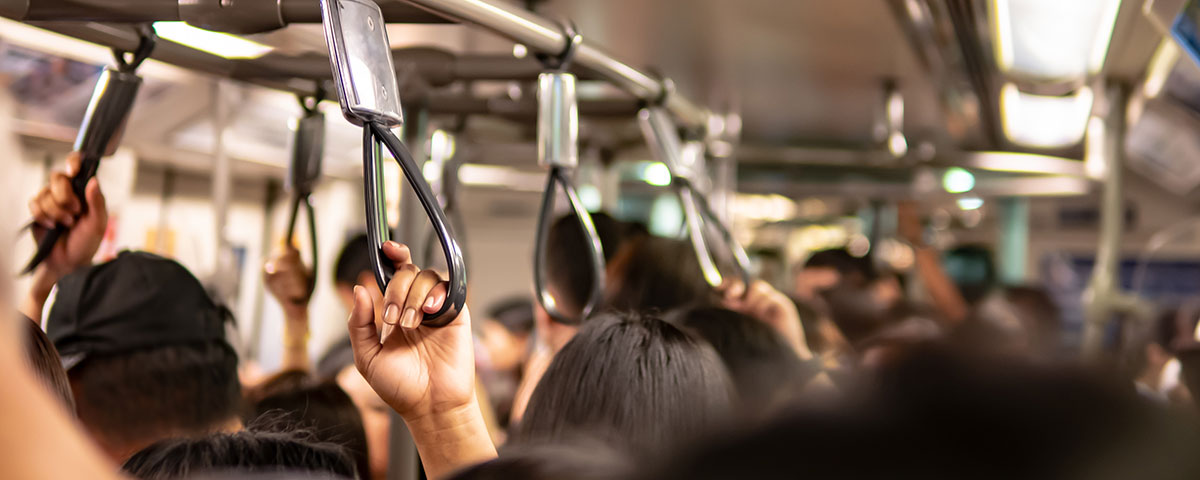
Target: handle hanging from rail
664, 143
558, 149
377, 224
100, 133
308, 147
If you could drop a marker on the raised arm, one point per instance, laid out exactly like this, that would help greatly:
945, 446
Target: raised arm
288, 280
426, 374
56, 203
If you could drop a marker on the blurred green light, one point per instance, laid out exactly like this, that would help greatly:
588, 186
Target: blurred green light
958, 180
656, 173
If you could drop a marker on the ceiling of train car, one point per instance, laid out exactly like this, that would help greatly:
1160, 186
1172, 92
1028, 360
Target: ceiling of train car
799, 72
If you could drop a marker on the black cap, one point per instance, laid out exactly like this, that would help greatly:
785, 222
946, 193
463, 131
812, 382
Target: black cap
134, 301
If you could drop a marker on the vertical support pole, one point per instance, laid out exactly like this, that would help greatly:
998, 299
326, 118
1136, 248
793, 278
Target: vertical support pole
1014, 239
1103, 288
403, 462
222, 183
412, 226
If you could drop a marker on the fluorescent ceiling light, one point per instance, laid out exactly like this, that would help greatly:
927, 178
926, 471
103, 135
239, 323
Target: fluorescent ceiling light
216, 43
1052, 40
1044, 121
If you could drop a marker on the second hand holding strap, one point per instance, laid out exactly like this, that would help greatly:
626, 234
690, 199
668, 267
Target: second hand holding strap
99, 135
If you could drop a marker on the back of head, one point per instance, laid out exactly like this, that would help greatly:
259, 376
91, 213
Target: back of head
654, 274
134, 398
941, 414
567, 250
764, 369
515, 314
292, 398
238, 453
588, 461
145, 351
854, 271
635, 380
353, 260
43, 359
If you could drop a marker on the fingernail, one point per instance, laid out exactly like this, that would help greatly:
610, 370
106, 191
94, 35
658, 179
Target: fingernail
429, 303
409, 320
390, 314
356, 289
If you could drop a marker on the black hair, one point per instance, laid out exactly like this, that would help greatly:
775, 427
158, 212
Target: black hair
942, 414
764, 368
654, 274
567, 251
635, 380
580, 461
515, 314
43, 359
855, 271
143, 394
292, 398
353, 260
241, 452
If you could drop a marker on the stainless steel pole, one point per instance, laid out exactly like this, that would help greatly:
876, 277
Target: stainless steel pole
1103, 290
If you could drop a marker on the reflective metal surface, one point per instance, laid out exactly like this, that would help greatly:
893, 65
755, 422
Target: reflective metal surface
558, 121
361, 59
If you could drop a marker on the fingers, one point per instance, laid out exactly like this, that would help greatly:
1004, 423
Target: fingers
397, 252
97, 214
364, 337
62, 194
74, 163
397, 292
435, 299
54, 212
419, 299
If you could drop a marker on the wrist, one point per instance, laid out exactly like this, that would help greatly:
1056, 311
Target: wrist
451, 439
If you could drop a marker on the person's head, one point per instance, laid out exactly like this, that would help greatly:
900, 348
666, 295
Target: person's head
292, 398
764, 369
239, 453
353, 267
145, 352
827, 269
43, 359
1019, 320
579, 461
633, 379
654, 274
568, 273
938, 414
337, 364
506, 331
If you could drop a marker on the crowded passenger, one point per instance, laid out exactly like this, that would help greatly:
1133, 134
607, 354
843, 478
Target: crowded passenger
897, 348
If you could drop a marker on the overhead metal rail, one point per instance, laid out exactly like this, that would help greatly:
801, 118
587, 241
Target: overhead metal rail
109, 23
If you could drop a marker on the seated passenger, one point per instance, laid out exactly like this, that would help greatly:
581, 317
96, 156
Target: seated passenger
292, 399
145, 351
223, 455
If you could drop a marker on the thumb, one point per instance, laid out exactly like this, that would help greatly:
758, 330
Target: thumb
364, 337
97, 214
